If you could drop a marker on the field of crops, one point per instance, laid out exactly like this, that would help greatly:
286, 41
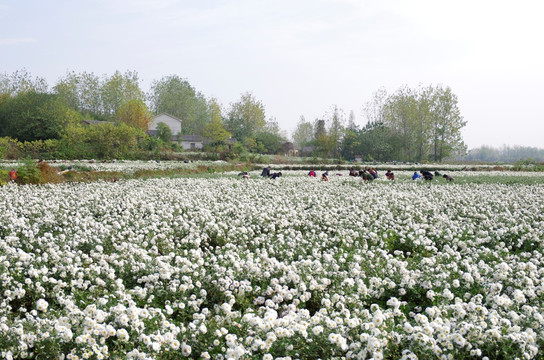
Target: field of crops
293, 268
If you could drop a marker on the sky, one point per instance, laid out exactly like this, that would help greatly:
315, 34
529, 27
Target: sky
302, 57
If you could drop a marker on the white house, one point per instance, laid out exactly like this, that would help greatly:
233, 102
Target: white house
191, 142
173, 123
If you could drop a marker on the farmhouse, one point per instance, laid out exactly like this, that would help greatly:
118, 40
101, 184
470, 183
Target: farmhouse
89, 122
191, 142
188, 142
173, 123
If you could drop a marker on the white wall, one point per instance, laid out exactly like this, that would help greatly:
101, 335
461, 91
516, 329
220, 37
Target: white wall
187, 145
173, 123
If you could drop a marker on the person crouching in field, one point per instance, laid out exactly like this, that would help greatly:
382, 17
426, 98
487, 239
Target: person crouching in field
447, 177
266, 172
426, 174
312, 173
275, 175
366, 176
325, 177
13, 175
389, 175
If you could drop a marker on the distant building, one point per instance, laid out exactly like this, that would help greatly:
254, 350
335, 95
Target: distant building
289, 149
307, 150
173, 123
188, 142
359, 158
191, 142
89, 122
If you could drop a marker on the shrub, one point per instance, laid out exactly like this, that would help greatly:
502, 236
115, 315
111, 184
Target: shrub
28, 173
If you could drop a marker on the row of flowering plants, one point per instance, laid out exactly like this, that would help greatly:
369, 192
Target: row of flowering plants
292, 268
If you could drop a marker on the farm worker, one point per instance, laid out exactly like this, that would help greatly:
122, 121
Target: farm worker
416, 176
13, 175
426, 174
447, 177
373, 172
389, 174
367, 177
324, 177
312, 173
266, 172
275, 175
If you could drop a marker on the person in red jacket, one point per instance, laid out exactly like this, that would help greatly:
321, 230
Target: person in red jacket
13, 175
312, 173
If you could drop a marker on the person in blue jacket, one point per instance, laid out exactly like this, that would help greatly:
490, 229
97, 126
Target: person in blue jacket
416, 176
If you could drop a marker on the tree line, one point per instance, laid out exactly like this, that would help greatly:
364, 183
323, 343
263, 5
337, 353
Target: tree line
408, 125
508, 154
422, 124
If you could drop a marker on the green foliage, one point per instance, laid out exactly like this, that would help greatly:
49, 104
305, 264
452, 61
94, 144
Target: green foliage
175, 96
103, 141
246, 117
10, 149
164, 132
35, 116
304, 133
28, 173
134, 113
21, 81
215, 129
427, 122
118, 90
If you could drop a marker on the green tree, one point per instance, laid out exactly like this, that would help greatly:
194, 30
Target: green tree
102, 141
175, 96
164, 132
321, 138
215, 130
21, 81
117, 90
134, 113
35, 116
446, 123
246, 117
336, 130
427, 122
303, 134
270, 138
82, 92
401, 115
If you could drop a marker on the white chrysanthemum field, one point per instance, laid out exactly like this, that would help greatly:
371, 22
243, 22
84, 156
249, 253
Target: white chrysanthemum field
293, 268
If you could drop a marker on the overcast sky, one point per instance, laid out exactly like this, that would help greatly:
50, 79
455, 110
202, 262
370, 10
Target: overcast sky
301, 57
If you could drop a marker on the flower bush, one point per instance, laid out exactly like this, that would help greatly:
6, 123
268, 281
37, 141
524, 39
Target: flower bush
292, 268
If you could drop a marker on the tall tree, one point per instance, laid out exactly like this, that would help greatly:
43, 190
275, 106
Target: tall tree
427, 122
303, 134
215, 130
246, 117
175, 96
21, 81
374, 109
351, 121
321, 139
336, 130
35, 116
134, 113
400, 114
82, 92
270, 139
119, 89
446, 124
